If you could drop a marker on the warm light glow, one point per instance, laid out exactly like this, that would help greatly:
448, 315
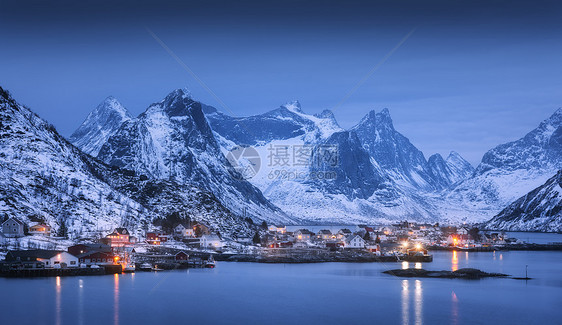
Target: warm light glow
405, 244
455, 261
418, 246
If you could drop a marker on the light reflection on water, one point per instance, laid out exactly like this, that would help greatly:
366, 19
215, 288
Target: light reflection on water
455, 261
244, 290
58, 300
405, 303
116, 299
405, 265
81, 301
418, 302
454, 308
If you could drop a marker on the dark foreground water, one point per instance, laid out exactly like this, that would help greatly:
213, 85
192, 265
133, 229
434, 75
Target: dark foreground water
330, 293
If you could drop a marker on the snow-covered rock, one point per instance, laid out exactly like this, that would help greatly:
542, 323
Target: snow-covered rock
539, 210
508, 172
44, 176
101, 123
172, 141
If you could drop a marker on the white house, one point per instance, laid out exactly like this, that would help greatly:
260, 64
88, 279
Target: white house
354, 241
53, 258
40, 229
324, 234
12, 228
50, 258
277, 228
462, 230
302, 235
210, 241
186, 232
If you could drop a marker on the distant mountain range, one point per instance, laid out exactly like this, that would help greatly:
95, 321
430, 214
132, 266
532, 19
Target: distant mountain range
310, 169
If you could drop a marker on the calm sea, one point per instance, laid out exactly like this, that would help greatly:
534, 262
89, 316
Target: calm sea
328, 293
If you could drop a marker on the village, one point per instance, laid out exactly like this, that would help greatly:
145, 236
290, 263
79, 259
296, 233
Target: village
34, 250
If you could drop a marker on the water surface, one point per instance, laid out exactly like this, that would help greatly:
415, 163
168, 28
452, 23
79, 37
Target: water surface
327, 293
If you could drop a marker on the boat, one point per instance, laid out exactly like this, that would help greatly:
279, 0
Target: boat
129, 269
210, 263
145, 267
156, 268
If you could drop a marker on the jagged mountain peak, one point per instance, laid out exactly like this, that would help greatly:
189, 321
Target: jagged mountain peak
326, 114
435, 157
172, 140
99, 125
379, 120
294, 106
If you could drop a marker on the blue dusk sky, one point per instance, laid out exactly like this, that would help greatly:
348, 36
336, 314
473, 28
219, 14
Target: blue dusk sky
471, 74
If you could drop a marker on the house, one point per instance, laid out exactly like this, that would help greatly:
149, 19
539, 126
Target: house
50, 258
324, 234
303, 235
118, 238
210, 241
12, 228
85, 248
371, 232
354, 241
343, 233
40, 229
156, 238
97, 258
184, 232
376, 248
334, 244
277, 228
181, 256
463, 230
460, 240
200, 229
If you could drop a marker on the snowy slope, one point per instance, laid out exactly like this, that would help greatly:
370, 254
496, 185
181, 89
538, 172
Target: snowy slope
43, 176
100, 124
539, 210
450, 171
361, 191
172, 141
507, 172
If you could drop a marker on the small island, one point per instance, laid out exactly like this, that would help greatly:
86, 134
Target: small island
466, 273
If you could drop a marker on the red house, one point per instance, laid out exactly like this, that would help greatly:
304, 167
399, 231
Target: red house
118, 238
181, 256
154, 238
84, 248
99, 258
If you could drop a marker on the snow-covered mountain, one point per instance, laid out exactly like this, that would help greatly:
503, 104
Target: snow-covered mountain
172, 141
44, 177
101, 123
379, 176
508, 172
393, 152
539, 210
450, 171
286, 122
376, 177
